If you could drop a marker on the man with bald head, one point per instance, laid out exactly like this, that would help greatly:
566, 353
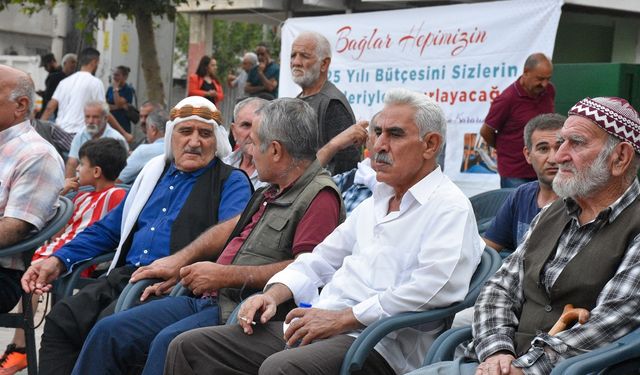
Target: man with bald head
530, 95
593, 231
310, 60
31, 176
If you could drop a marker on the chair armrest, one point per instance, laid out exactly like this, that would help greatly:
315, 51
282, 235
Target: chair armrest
66, 284
623, 349
63, 213
131, 294
444, 347
367, 340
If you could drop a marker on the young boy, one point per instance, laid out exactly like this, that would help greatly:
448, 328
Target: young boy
101, 161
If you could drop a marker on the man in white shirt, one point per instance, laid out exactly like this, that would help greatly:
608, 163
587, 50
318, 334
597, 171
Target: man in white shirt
412, 246
95, 119
75, 91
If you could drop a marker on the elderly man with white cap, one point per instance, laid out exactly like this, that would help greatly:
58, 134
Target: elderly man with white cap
583, 250
176, 197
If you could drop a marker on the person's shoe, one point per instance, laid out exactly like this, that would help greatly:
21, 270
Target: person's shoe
13, 360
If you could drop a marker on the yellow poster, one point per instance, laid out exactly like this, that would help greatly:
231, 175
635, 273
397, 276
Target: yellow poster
124, 43
106, 40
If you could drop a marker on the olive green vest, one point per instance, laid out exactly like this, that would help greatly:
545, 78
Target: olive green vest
271, 240
582, 279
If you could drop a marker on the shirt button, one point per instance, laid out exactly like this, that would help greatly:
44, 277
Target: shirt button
137, 264
68, 260
171, 187
529, 362
146, 251
164, 210
548, 308
153, 228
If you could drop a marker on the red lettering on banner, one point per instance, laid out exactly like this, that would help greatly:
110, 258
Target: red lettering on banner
358, 46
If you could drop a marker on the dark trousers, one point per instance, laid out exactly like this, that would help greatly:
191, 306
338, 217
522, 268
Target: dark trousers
120, 342
227, 350
10, 289
70, 320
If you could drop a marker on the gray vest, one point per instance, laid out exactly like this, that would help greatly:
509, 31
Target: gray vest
582, 279
271, 240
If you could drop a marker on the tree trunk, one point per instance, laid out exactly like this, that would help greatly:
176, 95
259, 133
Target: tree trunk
149, 57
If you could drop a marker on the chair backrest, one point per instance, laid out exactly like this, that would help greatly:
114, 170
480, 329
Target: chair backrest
486, 205
360, 349
53, 226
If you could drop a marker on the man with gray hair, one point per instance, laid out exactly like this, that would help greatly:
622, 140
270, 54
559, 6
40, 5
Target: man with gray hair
154, 125
177, 198
594, 231
95, 119
31, 176
249, 61
310, 60
290, 216
363, 276
244, 114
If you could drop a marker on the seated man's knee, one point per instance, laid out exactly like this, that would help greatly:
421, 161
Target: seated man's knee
284, 363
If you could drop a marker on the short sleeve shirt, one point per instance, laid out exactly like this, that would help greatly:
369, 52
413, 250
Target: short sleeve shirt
83, 137
514, 217
31, 177
271, 71
508, 114
72, 94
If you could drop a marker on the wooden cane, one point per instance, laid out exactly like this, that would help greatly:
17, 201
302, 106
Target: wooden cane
569, 316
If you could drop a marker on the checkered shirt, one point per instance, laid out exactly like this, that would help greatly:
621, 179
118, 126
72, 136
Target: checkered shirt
31, 177
617, 312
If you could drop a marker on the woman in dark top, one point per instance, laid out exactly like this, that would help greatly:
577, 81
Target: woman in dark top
204, 81
119, 96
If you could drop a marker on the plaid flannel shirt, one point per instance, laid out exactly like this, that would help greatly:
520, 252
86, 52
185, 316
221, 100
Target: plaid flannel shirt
617, 311
354, 194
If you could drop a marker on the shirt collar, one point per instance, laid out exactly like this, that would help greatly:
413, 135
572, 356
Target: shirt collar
420, 192
614, 210
14, 131
197, 173
523, 93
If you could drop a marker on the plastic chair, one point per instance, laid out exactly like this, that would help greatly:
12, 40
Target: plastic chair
65, 286
486, 205
132, 292
624, 352
26, 247
362, 346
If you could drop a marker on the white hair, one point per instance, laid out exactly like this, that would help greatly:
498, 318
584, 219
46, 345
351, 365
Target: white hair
429, 116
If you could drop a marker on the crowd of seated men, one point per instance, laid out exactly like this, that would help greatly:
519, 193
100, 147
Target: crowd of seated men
266, 228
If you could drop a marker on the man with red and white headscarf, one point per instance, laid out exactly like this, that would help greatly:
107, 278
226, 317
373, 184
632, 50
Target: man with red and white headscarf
176, 197
583, 250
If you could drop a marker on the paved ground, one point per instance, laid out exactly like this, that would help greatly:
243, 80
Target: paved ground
6, 334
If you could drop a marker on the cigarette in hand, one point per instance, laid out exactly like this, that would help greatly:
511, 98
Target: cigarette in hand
247, 320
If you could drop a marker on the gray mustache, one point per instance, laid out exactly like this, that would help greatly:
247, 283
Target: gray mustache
383, 157
193, 150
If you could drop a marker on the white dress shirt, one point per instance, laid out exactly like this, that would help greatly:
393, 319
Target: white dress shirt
381, 264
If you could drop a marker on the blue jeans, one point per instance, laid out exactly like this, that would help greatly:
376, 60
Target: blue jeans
122, 340
513, 182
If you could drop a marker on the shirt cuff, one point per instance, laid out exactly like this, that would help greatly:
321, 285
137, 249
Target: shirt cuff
66, 261
368, 311
298, 283
535, 362
493, 344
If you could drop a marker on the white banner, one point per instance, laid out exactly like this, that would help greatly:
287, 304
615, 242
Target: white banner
461, 55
